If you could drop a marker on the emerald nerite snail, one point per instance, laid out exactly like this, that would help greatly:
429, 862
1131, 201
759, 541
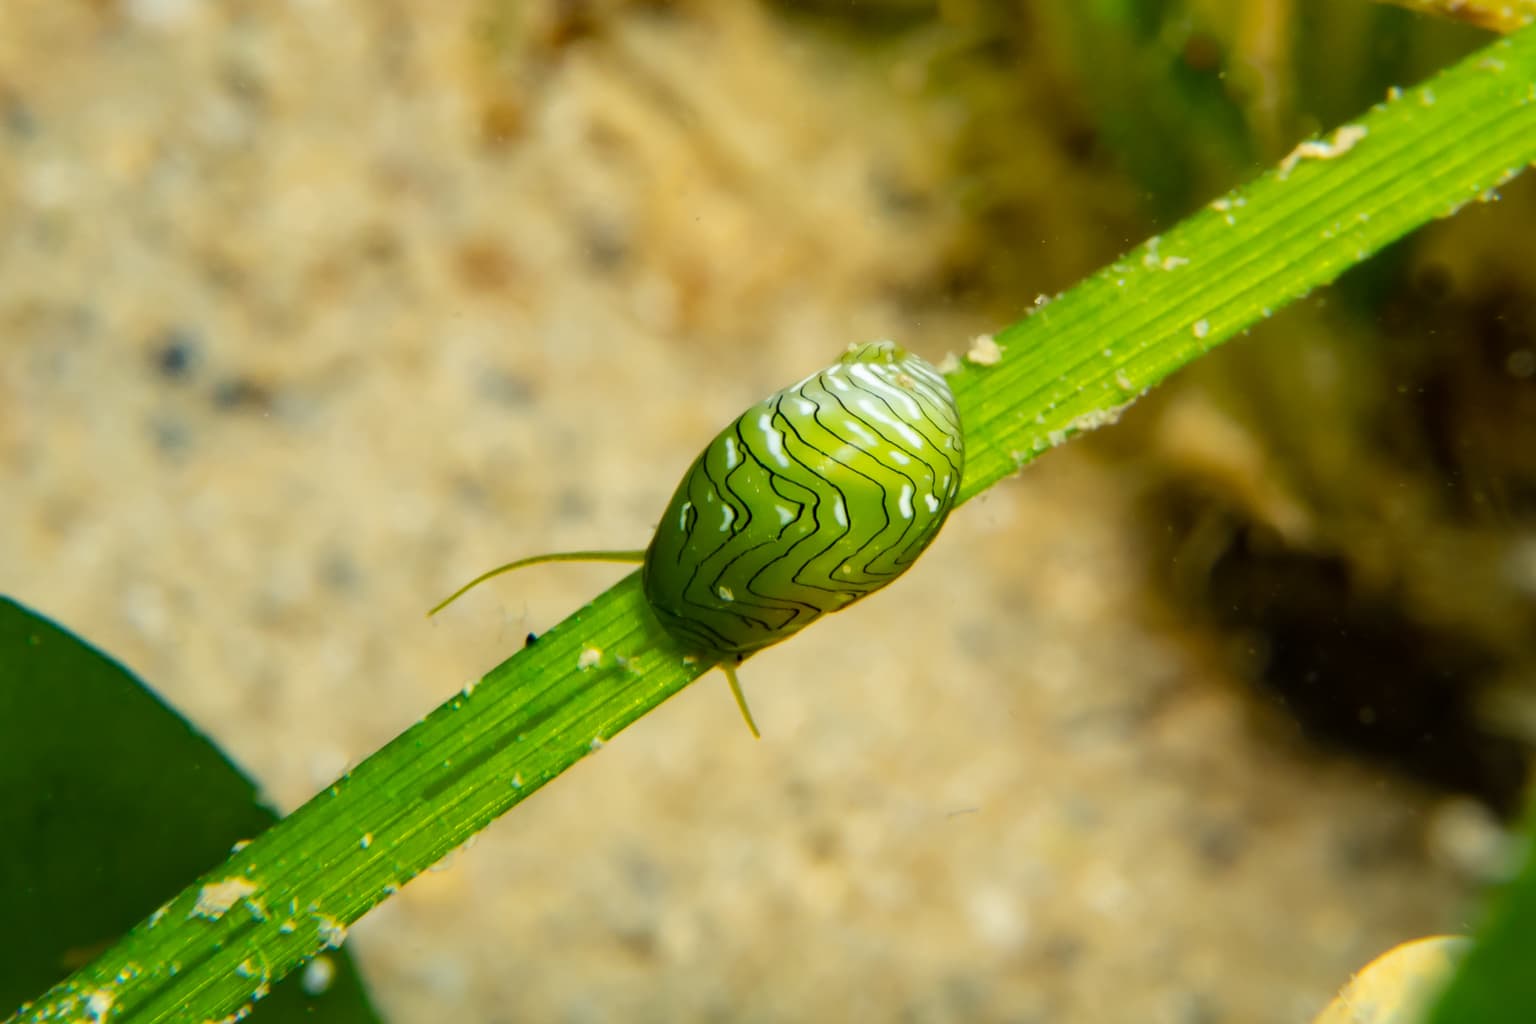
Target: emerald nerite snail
816, 496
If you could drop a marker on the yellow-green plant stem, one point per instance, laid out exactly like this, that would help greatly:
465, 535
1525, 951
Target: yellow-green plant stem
292, 892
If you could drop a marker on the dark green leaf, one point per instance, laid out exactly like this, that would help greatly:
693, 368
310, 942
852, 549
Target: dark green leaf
111, 804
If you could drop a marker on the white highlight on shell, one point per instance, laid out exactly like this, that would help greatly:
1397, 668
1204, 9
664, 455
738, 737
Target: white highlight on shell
935, 393
682, 516
839, 512
882, 385
726, 593
727, 516
932, 502
899, 457
859, 431
928, 376
786, 514
870, 409
773, 439
904, 501
732, 456
870, 381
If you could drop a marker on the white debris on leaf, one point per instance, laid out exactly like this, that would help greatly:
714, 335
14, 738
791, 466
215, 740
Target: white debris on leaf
215, 898
1342, 141
330, 931
98, 1005
1099, 418
590, 657
984, 351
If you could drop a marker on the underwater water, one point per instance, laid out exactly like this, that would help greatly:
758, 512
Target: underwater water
311, 311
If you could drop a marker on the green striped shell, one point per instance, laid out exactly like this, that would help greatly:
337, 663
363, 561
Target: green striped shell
813, 498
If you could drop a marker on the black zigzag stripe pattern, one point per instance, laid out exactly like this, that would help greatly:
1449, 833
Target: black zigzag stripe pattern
813, 498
